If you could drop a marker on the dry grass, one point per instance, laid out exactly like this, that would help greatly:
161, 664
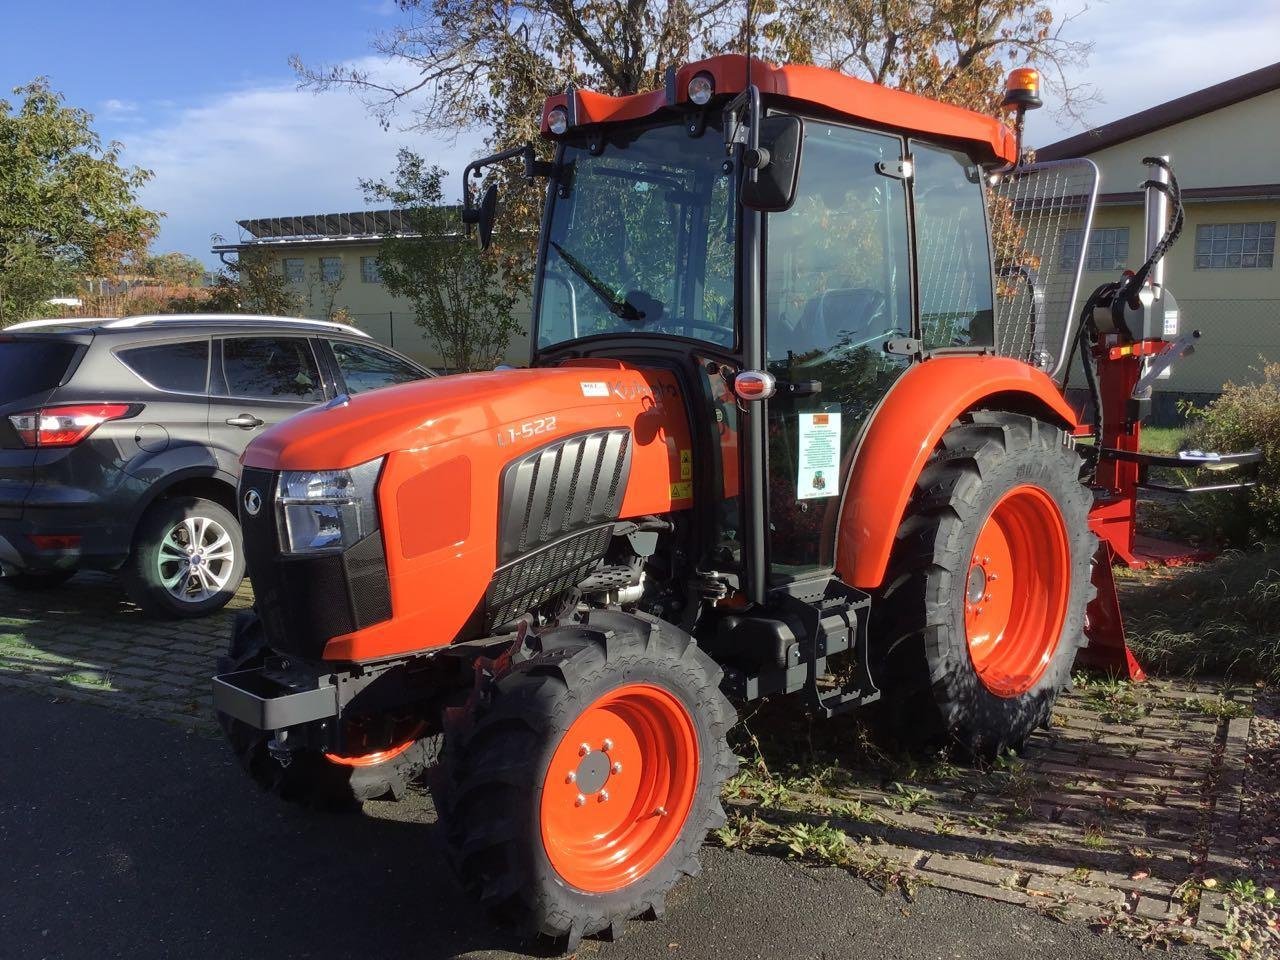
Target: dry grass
1219, 618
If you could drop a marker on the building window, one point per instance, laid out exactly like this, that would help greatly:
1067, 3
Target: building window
330, 269
1108, 249
369, 270
292, 269
1232, 246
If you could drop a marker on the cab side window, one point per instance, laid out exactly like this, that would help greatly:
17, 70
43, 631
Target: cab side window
953, 258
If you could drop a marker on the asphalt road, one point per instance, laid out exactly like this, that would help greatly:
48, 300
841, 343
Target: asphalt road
123, 837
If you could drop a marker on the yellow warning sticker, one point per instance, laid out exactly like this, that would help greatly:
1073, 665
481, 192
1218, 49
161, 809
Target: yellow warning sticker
682, 490
686, 464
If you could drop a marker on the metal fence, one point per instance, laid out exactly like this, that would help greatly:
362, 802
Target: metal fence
1039, 212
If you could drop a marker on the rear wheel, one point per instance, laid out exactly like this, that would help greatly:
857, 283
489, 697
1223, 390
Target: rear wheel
187, 559
579, 787
383, 755
982, 613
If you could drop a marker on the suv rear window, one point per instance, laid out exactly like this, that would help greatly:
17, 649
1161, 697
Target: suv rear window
32, 366
180, 367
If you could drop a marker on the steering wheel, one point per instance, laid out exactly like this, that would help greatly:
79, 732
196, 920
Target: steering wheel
722, 334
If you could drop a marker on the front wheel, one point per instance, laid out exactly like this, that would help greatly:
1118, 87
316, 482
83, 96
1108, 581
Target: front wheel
385, 753
982, 612
187, 560
579, 788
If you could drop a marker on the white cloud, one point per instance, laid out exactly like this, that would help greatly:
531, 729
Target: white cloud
1145, 54
119, 106
269, 151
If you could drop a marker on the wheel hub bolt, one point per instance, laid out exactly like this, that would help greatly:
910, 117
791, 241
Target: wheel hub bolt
571, 777
580, 801
607, 745
583, 750
616, 768
603, 796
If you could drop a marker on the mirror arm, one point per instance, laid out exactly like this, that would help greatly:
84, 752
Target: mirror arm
533, 167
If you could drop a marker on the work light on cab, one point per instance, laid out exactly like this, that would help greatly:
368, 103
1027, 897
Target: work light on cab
323, 511
701, 89
558, 120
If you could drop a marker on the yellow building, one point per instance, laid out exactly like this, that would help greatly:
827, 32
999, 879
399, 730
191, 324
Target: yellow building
331, 259
1224, 142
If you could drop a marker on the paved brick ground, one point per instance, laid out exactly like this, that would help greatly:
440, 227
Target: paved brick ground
85, 641
1118, 814
1126, 812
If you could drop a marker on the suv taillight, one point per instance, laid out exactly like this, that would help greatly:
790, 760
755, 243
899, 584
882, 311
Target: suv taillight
66, 425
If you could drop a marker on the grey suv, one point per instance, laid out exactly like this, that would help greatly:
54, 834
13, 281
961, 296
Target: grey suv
120, 441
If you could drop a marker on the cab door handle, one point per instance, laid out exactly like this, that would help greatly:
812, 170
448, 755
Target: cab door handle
246, 421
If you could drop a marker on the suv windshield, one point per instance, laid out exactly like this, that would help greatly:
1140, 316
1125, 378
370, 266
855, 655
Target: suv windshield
641, 241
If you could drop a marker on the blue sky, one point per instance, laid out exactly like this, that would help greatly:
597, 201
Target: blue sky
202, 93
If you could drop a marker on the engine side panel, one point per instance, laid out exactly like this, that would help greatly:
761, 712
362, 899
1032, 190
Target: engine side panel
904, 432
559, 453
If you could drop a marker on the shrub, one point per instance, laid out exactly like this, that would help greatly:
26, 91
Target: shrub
1243, 417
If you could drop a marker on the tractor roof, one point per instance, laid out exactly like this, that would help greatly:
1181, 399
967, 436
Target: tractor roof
987, 138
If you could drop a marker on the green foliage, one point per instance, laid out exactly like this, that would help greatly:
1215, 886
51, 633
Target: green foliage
1243, 417
174, 269
251, 284
67, 206
461, 298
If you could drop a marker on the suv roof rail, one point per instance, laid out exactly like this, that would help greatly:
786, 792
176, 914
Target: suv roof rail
57, 322
178, 318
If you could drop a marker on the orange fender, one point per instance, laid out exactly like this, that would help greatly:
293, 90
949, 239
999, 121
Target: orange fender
904, 432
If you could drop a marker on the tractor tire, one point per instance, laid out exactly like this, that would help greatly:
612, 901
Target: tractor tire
577, 789
314, 779
982, 611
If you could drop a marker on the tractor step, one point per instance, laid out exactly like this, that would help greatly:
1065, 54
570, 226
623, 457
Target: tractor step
819, 619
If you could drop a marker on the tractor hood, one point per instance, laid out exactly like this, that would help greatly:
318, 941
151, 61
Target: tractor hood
426, 413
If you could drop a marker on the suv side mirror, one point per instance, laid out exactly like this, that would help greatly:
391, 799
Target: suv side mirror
777, 165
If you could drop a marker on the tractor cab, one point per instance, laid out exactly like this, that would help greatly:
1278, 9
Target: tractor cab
788, 251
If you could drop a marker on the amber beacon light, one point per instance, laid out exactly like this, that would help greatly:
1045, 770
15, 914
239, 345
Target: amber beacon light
1022, 89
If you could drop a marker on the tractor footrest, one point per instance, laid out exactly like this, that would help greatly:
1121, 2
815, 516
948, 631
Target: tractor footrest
266, 703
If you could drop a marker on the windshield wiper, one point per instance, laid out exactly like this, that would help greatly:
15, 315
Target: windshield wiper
618, 305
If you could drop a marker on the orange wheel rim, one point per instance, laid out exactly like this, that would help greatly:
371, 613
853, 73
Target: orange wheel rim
619, 788
1016, 591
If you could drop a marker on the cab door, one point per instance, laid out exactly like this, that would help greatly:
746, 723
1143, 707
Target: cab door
838, 289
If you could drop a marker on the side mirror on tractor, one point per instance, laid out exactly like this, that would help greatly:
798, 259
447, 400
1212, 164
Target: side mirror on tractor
483, 215
776, 163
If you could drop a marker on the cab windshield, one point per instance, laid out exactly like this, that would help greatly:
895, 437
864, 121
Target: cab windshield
641, 241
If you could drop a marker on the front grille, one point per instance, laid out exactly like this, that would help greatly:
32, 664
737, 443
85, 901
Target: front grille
566, 486
306, 601
531, 581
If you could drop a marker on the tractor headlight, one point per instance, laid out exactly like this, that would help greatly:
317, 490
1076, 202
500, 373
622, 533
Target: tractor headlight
327, 511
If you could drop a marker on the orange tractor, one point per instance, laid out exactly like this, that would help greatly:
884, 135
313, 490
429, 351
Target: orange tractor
794, 424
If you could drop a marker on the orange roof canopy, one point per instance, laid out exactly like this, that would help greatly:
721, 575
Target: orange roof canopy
858, 100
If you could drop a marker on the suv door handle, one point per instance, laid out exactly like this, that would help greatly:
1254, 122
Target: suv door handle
246, 421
